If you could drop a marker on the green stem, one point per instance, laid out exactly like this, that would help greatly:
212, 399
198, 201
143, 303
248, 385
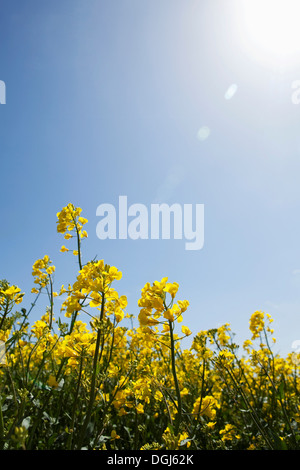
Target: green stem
202, 391
25, 317
51, 303
45, 403
179, 405
253, 414
4, 315
78, 247
70, 438
1, 425
93, 381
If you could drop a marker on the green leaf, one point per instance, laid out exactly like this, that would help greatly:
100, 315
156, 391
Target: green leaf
51, 440
280, 391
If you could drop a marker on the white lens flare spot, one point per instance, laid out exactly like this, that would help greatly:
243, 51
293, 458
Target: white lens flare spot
203, 133
231, 92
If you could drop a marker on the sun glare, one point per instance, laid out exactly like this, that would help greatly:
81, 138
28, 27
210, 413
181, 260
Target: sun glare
270, 30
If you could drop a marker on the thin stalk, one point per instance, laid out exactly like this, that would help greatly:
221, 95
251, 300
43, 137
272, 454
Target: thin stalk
70, 438
14, 338
74, 315
179, 403
51, 303
166, 403
1, 425
282, 404
136, 432
93, 381
202, 386
4, 315
78, 245
108, 404
251, 409
201, 393
45, 403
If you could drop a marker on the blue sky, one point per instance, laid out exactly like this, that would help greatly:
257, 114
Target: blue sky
106, 99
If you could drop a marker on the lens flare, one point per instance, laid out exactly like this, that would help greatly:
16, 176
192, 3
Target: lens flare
270, 29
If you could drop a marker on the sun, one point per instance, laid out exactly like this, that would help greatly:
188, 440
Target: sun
270, 30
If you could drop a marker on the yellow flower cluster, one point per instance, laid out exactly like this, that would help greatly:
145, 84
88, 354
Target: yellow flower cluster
256, 323
102, 385
174, 442
156, 309
70, 220
11, 294
92, 284
229, 433
223, 337
42, 271
206, 406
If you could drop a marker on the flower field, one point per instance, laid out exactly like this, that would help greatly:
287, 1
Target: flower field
78, 379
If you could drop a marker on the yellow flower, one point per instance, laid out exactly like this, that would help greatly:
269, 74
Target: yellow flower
82, 220
226, 355
256, 324
183, 304
42, 271
166, 328
186, 331
62, 290
208, 407
39, 328
229, 433
222, 336
211, 424
171, 288
69, 219
50, 269
113, 273
114, 435
12, 293
145, 319
247, 344
119, 315
182, 437
64, 249
269, 317
52, 382
4, 335
68, 236
139, 408
169, 315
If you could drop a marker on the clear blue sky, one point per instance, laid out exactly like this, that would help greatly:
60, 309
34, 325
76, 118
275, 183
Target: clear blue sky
106, 98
